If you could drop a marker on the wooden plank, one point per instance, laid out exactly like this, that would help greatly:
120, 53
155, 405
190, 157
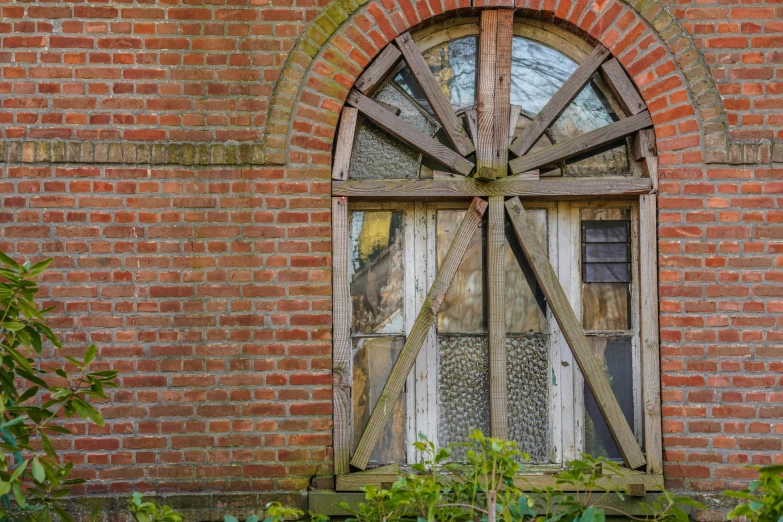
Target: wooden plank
513, 119
417, 335
496, 272
341, 334
526, 482
622, 88
561, 99
651, 377
644, 144
341, 162
379, 70
408, 134
505, 35
574, 335
582, 144
442, 187
471, 115
650, 170
437, 100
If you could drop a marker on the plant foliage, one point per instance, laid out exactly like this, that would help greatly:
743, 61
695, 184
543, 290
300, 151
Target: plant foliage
763, 497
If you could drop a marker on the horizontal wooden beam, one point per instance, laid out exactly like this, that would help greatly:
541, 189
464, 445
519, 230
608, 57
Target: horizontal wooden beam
582, 144
510, 186
408, 134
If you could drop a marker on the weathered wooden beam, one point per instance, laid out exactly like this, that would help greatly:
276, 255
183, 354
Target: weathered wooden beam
413, 342
622, 88
644, 144
437, 100
496, 279
379, 70
341, 162
408, 134
651, 361
443, 187
574, 335
341, 334
581, 144
513, 119
561, 99
471, 116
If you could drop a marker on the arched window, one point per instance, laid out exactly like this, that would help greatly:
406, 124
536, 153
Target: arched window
494, 250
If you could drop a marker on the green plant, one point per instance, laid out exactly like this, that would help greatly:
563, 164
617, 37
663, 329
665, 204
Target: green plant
32, 398
764, 496
145, 511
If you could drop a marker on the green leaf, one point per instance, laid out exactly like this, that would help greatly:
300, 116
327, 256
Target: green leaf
19, 470
5, 259
38, 470
90, 354
39, 267
13, 326
46, 445
229, 518
12, 422
19, 496
5, 488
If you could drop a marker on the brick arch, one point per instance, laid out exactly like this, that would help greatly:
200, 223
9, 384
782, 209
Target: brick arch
655, 50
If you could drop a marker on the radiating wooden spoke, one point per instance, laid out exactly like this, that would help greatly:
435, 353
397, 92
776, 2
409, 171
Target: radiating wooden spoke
574, 335
437, 100
581, 144
380, 69
408, 134
341, 161
562, 98
513, 119
413, 342
622, 88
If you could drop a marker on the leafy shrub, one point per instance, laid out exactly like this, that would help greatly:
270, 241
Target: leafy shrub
32, 479
150, 512
764, 496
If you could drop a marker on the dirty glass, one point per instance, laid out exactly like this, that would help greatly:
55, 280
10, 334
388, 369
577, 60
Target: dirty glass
373, 360
377, 155
527, 367
616, 355
453, 64
606, 306
377, 277
525, 303
463, 309
463, 388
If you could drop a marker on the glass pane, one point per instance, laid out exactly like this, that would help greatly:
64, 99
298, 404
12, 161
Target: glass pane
525, 302
615, 352
463, 388
463, 309
590, 110
606, 273
606, 306
606, 253
376, 155
409, 111
527, 364
373, 359
537, 72
453, 64
377, 279
610, 231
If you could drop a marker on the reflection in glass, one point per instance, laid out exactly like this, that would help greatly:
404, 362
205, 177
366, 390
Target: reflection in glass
463, 388
453, 64
525, 302
377, 279
527, 365
537, 72
606, 306
463, 309
373, 360
615, 353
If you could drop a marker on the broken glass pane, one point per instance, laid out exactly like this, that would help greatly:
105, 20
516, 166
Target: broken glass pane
525, 302
527, 364
463, 309
377, 278
463, 388
616, 355
373, 360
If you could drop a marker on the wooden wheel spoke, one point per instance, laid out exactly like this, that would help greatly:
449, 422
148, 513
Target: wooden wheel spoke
561, 99
435, 97
381, 68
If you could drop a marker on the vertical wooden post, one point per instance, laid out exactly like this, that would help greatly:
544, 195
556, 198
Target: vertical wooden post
341, 162
651, 377
496, 276
341, 333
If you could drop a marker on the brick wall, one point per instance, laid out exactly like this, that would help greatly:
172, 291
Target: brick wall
201, 266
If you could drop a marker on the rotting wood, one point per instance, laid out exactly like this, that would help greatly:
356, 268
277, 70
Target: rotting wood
379, 70
636, 489
417, 335
574, 335
408, 134
389, 107
622, 88
496, 272
443, 187
581, 144
341, 163
341, 332
432, 92
643, 144
560, 101
648, 284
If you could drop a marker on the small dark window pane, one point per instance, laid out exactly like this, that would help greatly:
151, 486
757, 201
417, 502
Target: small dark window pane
606, 273
605, 231
606, 253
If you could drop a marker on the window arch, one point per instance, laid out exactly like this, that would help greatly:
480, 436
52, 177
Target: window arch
492, 182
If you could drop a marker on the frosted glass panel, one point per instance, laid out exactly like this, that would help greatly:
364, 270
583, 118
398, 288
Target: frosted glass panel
376, 155
524, 300
377, 279
463, 388
373, 359
409, 111
616, 355
463, 309
527, 363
